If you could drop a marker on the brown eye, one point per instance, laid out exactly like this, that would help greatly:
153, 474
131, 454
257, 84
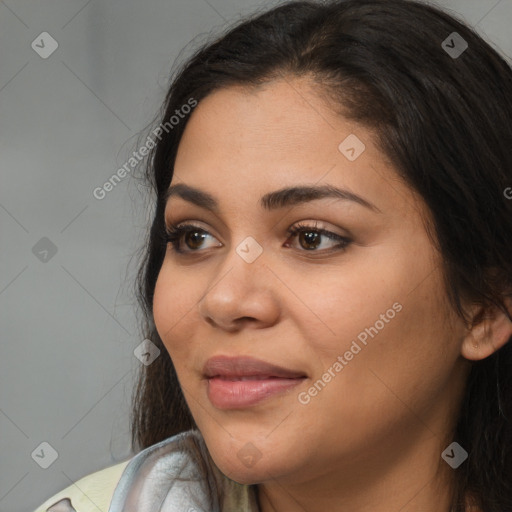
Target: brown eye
309, 239
194, 238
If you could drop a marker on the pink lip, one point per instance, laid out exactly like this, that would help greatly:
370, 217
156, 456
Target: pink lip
238, 382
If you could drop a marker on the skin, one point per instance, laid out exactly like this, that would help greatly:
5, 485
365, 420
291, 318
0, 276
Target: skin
371, 439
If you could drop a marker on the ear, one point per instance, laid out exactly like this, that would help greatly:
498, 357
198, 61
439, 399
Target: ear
491, 329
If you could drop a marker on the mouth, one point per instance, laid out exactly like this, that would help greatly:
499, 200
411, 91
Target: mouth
246, 367
241, 382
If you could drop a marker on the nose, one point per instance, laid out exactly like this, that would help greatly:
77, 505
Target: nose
241, 294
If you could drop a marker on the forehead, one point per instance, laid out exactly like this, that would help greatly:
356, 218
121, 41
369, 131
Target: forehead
249, 141
284, 118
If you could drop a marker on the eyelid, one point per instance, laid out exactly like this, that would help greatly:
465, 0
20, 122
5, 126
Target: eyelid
168, 224
315, 224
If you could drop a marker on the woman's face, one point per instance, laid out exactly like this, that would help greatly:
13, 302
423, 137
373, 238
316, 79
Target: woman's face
361, 321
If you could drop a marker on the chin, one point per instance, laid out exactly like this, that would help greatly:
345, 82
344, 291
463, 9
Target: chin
246, 477
260, 472
246, 462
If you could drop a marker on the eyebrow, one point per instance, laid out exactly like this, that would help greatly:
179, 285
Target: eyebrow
281, 198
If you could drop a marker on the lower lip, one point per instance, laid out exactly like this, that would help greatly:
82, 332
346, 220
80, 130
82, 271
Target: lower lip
237, 394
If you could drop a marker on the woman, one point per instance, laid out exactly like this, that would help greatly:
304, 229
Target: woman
328, 273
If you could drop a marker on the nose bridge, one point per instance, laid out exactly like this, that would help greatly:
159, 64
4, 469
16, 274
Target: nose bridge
240, 288
244, 263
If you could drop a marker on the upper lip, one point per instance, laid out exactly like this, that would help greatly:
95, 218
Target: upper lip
244, 366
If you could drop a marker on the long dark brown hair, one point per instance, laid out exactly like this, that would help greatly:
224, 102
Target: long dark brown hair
444, 121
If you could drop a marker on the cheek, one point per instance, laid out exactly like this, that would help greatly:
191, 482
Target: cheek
173, 303
387, 293
388, 384
388, 320
339, 305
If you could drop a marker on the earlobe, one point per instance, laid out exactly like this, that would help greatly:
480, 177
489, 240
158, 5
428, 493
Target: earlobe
488, 334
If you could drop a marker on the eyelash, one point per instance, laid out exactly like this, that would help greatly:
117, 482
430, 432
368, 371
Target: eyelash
174, 233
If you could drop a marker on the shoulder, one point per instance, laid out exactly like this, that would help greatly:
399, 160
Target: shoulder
92, 493
178, 474
177, 471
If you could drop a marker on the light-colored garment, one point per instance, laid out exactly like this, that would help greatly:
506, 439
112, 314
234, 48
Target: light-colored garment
161, 478
92, 493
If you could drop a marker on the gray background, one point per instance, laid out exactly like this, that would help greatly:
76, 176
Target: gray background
67, 123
